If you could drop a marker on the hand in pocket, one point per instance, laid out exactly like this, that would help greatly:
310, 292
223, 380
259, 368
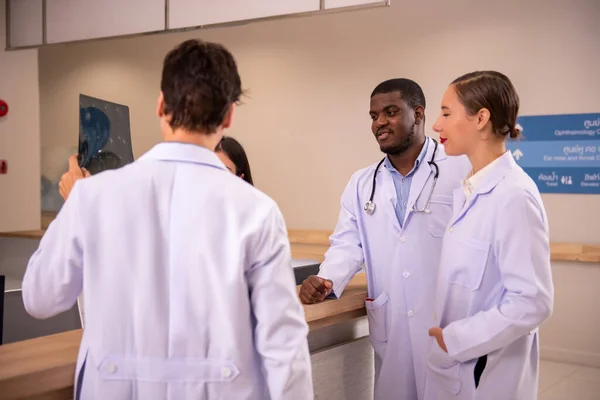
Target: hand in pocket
438, 334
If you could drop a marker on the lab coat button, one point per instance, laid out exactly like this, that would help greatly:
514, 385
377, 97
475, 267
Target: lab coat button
403, 239
451, 229
410, 313
111, 368
406, 274
226, 372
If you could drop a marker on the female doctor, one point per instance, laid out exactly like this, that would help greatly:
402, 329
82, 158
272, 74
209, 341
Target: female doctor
233, 156
495, 285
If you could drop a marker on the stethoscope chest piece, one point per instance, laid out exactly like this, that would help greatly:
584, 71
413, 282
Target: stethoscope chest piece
369, 207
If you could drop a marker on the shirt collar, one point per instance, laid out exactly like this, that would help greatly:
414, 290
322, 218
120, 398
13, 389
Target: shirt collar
388, 164
183, 152
471, 182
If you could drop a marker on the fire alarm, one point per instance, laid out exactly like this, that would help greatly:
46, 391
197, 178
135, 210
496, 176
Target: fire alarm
3, 108
3, 167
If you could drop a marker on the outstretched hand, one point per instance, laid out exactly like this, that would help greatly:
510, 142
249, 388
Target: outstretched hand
315, 289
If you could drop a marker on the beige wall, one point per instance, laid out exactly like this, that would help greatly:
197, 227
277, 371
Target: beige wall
305, 124
19, 137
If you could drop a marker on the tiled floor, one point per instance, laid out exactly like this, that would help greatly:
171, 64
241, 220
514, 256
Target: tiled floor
568, 382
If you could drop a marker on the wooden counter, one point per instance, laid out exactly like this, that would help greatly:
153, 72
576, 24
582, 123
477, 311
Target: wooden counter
351, 305
25, 234
44, 368
312, 244
41, 368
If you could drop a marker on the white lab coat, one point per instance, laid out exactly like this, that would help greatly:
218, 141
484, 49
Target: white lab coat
495, 289
187, 278
401, 266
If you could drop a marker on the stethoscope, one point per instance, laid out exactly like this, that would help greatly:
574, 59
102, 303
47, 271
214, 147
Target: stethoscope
370, 205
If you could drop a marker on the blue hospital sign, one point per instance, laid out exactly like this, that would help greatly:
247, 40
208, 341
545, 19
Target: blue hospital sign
561, 153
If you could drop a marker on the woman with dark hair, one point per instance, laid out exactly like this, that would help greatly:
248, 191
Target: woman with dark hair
232, 154
495, 284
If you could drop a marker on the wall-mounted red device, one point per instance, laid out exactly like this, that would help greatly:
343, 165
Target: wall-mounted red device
3, 108
3, 167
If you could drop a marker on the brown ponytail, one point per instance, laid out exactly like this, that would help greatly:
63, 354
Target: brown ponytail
515, 133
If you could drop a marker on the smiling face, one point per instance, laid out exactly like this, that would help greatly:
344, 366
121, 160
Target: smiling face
479, 111
393, 122
458, 131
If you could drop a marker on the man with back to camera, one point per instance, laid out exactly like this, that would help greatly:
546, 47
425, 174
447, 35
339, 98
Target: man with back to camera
398, 237
185, 268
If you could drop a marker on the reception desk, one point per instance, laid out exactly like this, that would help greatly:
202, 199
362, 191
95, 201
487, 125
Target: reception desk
341, 354
44, 368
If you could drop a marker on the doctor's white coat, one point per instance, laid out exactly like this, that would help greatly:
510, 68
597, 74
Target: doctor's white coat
495, 289
401, 266
187, 278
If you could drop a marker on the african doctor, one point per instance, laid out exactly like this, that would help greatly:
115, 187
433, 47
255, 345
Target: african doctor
393, 216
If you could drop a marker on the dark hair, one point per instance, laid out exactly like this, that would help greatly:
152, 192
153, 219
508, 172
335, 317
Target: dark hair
237, 155
199, 83
410, 91
495, 92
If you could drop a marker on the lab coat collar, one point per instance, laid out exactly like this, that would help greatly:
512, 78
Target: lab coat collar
502, 166
472, 182
184, 152
423, 176
439, 155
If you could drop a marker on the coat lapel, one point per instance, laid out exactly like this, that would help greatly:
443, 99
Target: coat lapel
489, 182
423, 179
458, 202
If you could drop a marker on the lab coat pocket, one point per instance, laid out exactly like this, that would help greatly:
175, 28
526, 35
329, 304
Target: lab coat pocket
443, 369
439, 217
467, 262
377, 313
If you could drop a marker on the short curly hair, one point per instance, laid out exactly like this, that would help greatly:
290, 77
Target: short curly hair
200, 81
410, 91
